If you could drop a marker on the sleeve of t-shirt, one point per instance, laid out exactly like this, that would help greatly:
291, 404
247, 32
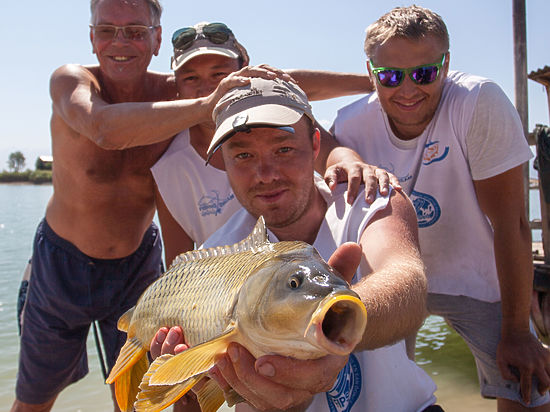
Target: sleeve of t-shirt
495, 140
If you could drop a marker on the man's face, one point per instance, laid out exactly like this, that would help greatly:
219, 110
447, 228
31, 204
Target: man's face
410, 107
121, 58
271, 172
201, 75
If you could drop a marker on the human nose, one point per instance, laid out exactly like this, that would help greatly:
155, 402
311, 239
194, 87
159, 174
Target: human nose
123, 36
407, 86
266, 170
205, 88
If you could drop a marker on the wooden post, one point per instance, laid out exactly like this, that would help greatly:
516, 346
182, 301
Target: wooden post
520, 76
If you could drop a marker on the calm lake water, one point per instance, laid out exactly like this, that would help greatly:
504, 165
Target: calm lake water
439, 350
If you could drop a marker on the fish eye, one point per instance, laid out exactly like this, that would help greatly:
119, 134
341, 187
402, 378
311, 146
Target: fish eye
295, 281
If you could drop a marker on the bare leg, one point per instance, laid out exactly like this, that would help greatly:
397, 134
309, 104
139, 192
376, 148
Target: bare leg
506, 405
19, 406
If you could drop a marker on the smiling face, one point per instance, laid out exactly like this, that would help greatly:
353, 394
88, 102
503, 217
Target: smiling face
271, 172
123, 59
201, 75
410, 107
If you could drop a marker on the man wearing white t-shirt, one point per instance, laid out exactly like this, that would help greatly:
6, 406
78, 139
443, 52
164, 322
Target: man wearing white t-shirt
456, 143
269, 144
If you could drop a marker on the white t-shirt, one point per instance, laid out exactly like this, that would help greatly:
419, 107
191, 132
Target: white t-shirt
197, 195
475, 134
383, 379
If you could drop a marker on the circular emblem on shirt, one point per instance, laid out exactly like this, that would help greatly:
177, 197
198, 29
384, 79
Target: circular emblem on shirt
427, 209
347, 388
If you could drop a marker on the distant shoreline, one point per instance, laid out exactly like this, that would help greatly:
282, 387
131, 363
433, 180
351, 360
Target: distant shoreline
38, 176
27, 183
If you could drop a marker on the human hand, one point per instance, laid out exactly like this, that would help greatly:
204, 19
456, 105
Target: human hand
172, 341
275, 382
167, 341
519, 357
241, 78
357, 172
346, 259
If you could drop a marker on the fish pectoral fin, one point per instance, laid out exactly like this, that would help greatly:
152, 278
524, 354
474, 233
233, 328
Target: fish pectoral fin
156, 398
191, 362
123, 323
130, 353
210, 396
127, 384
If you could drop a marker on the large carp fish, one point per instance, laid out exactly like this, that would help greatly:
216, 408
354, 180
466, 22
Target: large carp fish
273, 298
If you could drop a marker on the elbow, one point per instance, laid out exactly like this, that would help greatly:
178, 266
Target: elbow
104, 135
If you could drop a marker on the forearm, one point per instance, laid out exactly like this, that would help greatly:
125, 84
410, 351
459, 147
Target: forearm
515, 271
125, 125
320, 84
395, 299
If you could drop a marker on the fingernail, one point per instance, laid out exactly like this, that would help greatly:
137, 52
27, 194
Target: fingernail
161, 336
233, 354
266, 369
221, 363
172, 338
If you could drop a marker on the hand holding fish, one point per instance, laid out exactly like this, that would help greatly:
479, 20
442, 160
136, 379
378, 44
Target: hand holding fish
275, 382
284, 382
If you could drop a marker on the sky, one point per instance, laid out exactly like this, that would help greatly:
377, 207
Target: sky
39, 36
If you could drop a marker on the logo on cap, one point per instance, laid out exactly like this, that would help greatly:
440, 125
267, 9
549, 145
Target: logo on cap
239, 123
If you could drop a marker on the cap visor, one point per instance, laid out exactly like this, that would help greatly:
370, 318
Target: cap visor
268, 114
184, 58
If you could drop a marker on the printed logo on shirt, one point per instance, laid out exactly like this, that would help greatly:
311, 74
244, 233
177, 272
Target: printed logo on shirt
427, 209
347, 387
213, 204
433, 153
391, 169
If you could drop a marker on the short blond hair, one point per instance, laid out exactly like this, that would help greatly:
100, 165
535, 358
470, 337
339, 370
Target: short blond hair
154, 6
413, 22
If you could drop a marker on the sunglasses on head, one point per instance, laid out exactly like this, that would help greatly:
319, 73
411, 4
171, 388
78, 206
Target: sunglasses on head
421, 75
134, 32
217, 33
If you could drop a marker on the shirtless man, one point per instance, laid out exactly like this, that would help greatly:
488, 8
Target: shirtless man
97, 249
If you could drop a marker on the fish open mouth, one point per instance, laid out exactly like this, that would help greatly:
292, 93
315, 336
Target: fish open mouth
338, 324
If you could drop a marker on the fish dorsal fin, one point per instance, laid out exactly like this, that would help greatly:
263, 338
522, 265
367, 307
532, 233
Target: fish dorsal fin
254, 242
124, 321
156, 398
210, 396
191, 362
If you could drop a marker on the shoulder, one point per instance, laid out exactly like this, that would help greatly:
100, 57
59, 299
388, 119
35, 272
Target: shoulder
74, 72
65, 79
357, 107
464, 85
237, 227
163, 85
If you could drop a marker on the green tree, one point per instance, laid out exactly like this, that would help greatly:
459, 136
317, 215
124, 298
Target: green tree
16, 161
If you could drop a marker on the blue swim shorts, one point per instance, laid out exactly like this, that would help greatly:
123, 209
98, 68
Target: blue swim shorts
478, 323
67, 292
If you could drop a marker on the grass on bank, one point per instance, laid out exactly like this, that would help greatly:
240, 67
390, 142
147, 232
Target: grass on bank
30, 176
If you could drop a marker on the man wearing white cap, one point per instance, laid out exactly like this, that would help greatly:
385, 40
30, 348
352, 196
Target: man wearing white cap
193, 199
269, 144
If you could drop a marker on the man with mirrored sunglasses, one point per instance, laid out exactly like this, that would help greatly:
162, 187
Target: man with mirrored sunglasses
456, 143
